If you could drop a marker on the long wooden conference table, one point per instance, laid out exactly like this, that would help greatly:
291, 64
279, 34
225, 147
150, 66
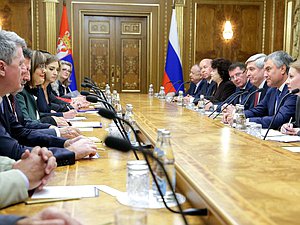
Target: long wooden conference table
239, 178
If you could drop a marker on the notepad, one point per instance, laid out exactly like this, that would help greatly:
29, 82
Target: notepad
95, 139
284, 138
77, 118
292, 149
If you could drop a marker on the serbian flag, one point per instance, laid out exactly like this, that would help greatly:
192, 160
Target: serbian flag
64, 47
173, 78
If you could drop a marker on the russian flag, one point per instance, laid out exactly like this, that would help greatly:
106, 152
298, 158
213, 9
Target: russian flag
64, 45
173, 70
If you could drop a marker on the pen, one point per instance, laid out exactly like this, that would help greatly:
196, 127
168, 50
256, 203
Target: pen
30, 202
289, 124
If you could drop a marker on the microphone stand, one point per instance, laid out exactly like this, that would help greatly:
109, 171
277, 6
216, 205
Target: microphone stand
252, 93
140, 148
236, 93
231, 101
278, 107
96, 89
172, 84
119, 125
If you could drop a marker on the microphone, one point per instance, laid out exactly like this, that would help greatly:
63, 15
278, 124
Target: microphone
252, 93
123, 146
232, 95
96, 89
295, 91
108, 114
186, 82
171, 85
231, 101
95, 99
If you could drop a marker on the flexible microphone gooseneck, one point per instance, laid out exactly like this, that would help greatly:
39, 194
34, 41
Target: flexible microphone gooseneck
225, 101
95, 88
109, 115
186, 82
121, 145
172, 85
295, 91
252, 93
231, 101
94, 98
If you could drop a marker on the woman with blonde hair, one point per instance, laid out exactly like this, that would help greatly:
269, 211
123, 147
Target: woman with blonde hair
293, 82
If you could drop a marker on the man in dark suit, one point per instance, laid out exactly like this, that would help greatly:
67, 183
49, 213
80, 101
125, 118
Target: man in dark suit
239, 77
197, 85
10, 82
276, 72
255, 73
205, 67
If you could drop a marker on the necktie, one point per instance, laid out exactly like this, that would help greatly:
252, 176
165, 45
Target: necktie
256, 99
12, 102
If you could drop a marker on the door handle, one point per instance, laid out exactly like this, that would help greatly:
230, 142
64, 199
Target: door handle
118, 72
112, 74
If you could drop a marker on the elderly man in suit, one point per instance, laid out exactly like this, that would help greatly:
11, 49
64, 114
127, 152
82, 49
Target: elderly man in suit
197, 85
276, 73
255, 72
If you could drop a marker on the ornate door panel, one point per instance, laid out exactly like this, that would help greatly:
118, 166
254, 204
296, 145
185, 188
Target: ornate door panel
115, 50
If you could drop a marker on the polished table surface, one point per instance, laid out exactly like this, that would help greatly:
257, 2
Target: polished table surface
241, 179
109, 169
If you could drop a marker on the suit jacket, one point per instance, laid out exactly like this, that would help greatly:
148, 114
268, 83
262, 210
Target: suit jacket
222, 92
263, 93
210, 89
27, 112
9, 219
12, 185
11, 148
201, 89
55, 103
264, 111
25, 136
241, 100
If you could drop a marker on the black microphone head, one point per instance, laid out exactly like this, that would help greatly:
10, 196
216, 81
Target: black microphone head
117, 143
83, 84
85, 93
107, 113
88, 85
87, 78
91, 98
295, 91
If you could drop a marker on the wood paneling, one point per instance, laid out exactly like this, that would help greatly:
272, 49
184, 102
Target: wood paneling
246, 20
16, 16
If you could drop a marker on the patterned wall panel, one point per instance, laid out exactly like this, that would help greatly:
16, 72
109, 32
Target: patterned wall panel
99, 60
99, 27
246, 23
131, 64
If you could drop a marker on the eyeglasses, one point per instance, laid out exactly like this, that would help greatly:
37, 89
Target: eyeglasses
236, 75
64, 69
42, 66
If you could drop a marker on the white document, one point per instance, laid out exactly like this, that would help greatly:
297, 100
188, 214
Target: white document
96, 156
93, 124
272, 133
82, 191
86, 129
284, 138
292, 149
77, 118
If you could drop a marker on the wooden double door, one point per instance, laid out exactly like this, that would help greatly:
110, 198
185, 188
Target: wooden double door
115, 52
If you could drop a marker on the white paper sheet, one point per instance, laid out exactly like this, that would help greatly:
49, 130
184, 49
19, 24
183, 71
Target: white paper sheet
86, 129
272, 133
95, 139
82, 191
292, 149
93, 124
284, 138
77, 118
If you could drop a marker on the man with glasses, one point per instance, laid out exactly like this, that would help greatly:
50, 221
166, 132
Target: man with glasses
238, 75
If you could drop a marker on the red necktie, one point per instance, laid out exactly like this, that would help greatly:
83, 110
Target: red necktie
256, 99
